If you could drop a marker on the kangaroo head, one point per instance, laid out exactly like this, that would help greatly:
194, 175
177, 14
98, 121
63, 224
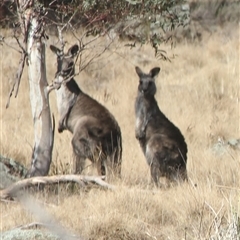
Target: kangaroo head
147, 84
65, 64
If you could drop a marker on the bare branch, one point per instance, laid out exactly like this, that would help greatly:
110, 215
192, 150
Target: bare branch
50, 87
20, 68
2, 40
14, 188
69, 21
19, 44
17, 78
60, 36
30, 225
81, 68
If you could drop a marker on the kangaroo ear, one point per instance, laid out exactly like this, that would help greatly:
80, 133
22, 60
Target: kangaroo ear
139, 71
72, 51
154, 72
56, 50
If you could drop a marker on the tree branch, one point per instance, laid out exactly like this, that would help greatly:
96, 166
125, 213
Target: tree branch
11, 191
20, 68
17, 78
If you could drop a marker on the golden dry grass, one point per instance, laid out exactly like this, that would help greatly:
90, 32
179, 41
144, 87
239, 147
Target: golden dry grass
198, 91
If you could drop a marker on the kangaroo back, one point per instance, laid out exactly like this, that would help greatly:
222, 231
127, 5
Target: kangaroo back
96, 133
161, 141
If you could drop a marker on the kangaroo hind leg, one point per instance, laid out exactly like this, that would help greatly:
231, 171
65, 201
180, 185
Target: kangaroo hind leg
79, 164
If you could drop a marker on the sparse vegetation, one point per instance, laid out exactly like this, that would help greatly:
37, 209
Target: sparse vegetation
201, 96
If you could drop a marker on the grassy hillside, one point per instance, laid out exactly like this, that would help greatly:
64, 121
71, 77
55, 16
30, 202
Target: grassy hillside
198, 91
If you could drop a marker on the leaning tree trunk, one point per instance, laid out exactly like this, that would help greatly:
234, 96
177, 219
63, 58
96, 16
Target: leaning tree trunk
31, 17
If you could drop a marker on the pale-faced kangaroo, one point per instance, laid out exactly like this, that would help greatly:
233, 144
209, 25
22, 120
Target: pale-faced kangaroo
96, 134
161, 141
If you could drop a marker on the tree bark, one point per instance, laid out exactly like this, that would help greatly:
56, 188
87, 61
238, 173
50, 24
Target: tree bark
31, 17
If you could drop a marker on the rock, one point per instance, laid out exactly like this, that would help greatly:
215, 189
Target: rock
27, 234
10, 171
223, 146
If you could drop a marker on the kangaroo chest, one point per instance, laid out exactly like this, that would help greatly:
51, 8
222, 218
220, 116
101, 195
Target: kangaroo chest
145, 110
65, 100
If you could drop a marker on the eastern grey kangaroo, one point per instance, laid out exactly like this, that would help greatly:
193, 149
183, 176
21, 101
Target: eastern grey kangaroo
161, 141
96, 133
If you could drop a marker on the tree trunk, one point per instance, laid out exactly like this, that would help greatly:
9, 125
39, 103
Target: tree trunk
31, 16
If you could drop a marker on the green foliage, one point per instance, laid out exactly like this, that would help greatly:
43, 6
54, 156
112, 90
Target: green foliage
139, 20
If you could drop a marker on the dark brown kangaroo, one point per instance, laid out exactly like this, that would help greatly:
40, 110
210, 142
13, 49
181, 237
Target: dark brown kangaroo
96, 134
161, 141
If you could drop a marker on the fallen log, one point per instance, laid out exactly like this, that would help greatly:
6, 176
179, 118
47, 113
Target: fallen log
12, 190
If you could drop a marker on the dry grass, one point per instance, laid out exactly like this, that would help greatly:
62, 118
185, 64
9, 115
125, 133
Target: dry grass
198, 91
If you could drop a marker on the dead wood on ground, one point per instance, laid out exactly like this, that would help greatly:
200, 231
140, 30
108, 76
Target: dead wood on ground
12, 190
